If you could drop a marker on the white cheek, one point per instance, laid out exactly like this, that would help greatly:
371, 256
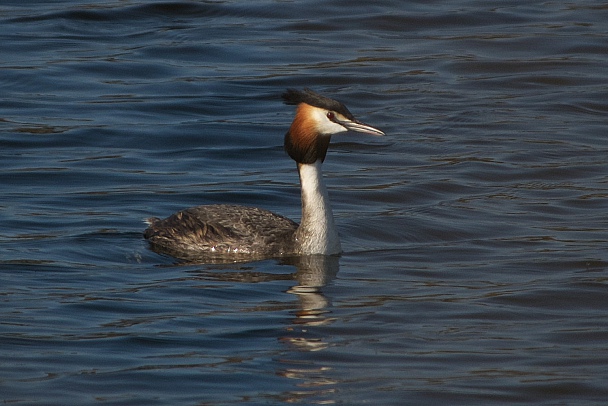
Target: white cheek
325, 126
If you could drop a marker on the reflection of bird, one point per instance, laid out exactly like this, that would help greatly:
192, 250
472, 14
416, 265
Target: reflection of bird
230, 230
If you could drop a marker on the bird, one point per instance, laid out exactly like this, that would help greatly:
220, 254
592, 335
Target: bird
242, 233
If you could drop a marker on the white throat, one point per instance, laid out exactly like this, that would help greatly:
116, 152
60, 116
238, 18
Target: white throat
317, 233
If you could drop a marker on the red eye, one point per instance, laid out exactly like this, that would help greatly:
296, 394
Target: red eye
330, 115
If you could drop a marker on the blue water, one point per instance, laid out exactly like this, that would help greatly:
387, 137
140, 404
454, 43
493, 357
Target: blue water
475, 233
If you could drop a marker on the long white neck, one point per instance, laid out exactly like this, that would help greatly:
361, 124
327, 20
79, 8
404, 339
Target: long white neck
317, 233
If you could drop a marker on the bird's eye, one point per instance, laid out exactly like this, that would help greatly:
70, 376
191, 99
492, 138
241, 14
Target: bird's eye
331, 116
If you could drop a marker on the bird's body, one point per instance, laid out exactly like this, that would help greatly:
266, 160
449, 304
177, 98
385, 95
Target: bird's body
223, 229
243, 233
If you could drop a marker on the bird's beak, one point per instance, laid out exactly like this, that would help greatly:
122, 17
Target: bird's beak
360, 127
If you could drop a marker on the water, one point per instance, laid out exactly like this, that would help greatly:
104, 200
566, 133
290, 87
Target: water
475, 232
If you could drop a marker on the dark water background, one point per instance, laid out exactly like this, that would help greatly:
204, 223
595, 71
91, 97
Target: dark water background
475, 233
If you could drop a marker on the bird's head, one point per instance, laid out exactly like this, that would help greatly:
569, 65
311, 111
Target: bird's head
317, 119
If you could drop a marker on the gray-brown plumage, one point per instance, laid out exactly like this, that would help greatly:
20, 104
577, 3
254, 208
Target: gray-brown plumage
223, 229
223, 233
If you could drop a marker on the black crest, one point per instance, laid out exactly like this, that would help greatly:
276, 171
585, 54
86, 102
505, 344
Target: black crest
294, 97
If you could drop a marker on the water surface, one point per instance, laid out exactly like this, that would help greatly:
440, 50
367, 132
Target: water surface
475, 232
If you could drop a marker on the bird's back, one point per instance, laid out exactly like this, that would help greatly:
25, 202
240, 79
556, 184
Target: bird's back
222, 230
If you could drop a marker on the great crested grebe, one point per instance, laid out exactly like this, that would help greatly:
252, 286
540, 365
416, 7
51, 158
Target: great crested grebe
251, 233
